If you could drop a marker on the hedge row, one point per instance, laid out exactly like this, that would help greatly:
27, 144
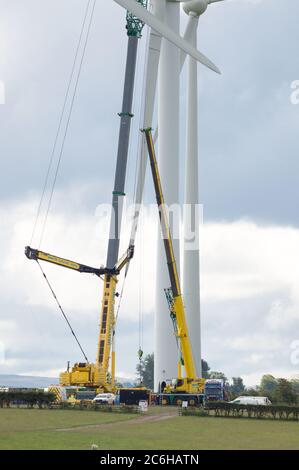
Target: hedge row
224, 409
86, 405
42, 399
27, 398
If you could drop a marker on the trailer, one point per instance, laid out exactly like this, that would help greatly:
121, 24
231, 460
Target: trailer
132, 396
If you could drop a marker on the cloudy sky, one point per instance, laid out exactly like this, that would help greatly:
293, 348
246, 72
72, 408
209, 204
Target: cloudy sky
249, 170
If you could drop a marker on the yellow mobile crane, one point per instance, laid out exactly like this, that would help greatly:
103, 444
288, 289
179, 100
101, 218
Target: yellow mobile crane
100, 375
189, 387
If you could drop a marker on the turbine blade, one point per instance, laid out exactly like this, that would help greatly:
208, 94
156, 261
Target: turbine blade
141, 13
191, 30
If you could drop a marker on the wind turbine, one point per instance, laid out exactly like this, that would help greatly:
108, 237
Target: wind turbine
166, 53
191, 264
150, 93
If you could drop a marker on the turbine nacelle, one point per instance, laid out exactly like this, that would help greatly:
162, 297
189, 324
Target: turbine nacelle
197, 7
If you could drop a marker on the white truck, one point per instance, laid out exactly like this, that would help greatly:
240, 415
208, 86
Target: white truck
251, 401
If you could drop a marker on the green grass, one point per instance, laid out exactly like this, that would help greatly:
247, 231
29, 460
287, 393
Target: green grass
37, 429
17, 420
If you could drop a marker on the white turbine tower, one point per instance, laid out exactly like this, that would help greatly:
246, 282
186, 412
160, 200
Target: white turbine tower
165, 23
191, 267
168, 158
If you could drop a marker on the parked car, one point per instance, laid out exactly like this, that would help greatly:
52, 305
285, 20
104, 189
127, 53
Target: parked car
251, 401
104, 398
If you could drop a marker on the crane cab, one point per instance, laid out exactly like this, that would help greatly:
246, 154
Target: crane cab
185, 385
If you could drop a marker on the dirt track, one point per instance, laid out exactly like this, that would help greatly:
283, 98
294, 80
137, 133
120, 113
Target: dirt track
141, 419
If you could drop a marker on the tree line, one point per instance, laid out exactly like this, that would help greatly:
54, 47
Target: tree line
278, 390
29, 398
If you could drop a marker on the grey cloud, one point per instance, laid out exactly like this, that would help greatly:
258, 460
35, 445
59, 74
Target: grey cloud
248, 128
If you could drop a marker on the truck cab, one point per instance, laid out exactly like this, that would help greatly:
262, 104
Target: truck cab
215, 390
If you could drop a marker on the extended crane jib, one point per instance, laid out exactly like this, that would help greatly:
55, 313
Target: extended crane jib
38, 255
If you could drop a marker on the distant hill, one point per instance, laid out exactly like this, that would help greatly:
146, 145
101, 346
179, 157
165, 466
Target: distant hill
24, 381
20, 381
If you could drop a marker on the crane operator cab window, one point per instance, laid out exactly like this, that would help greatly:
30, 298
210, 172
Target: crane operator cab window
162, 386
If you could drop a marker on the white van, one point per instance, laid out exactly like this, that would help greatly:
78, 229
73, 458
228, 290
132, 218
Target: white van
251, 401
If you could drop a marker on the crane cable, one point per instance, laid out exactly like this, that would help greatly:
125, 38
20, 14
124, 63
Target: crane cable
141, 143
139, 161
71, 78
67, 123
120, 298
140, 140
51, 160
62, 311
140, 293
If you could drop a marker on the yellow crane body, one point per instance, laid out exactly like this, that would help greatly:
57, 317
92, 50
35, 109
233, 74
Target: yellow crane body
80, 375
189, 383
106, 335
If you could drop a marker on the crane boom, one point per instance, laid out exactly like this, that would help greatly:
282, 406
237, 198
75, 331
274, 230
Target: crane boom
174, 295
106, 341
38, 255
134, 29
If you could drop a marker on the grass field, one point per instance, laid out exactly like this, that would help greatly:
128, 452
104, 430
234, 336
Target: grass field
58, 429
